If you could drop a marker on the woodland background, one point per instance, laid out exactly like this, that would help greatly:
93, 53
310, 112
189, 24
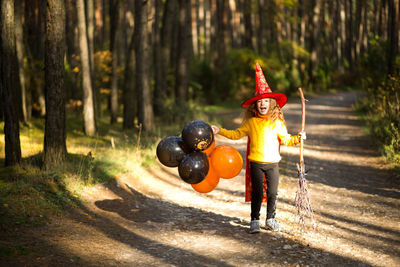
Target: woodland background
89, 88
142, 69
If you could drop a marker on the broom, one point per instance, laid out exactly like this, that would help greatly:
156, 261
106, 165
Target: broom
302, 200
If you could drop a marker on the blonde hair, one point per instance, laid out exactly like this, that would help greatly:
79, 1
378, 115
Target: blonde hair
274, 111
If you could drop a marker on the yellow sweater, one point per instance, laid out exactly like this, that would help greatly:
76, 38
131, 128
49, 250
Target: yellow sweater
264, 138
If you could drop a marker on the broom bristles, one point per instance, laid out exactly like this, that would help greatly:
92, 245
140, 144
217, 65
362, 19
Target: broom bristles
302, 201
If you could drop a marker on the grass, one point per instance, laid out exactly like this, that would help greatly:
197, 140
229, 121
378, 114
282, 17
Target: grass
31, 196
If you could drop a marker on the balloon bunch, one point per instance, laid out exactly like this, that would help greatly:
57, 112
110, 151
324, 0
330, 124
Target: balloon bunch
199, 162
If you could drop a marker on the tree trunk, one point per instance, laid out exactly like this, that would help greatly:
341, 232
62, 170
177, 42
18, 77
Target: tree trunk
70, 17
195, 32
129, 100
1, 92
358, 29
183, 53
221, 47
235, 24
129, 88
145, 107
159, 92
21, 57
33, 31
207, 29
114, 48
382, 17
392, 36
367, 29
200, 27
90, 37
169, 17
271, 30
248, 28
375, 17
315, 29
295, 41
88, 105
99, 25
261, 27
222, 43
331, 23
349, 33
90, 32
342, 33
9, 80
55, 149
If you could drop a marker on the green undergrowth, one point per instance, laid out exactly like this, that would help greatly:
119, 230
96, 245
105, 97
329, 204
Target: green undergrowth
30, 195
379, 110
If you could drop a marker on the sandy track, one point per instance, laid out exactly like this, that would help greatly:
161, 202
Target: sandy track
152, 218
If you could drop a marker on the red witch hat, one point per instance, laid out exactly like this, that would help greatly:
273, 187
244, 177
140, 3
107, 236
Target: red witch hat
264, 91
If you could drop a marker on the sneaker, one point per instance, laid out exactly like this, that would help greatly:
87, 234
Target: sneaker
272, 224
254, 226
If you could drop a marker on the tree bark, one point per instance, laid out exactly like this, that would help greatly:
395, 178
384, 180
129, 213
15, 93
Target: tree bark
25, 106
207, 29
382, 18
33, 31
222, 43
55, 149
129, 101
100, 21
358, 29
367, 29
183, 53
195, 31
9, 80
235, 24
332, 25
315, 29
392, 36
114, 48
261, 27
248, 28
90, 32
88, 105
159, 92
349, 33
145, 107
271, 31
342, 33
169, 17
90, 37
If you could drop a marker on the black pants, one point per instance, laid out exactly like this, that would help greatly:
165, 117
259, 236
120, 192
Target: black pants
271, 172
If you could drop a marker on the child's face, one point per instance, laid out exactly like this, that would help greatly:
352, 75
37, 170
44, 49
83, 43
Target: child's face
262, 106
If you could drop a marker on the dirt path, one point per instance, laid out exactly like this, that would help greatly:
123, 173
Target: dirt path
152, 218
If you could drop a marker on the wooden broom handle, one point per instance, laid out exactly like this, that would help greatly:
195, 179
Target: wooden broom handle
303, 124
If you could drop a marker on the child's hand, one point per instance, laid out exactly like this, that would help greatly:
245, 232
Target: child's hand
302, 135
215, 129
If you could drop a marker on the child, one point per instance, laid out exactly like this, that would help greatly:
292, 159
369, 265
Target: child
265, 127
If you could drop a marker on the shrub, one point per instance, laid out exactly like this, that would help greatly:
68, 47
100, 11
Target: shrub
383, 108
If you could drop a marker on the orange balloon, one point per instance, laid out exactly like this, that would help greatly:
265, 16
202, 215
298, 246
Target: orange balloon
226, 161
209, 149
209, 183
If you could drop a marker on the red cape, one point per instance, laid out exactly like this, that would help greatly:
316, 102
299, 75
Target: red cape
248, 189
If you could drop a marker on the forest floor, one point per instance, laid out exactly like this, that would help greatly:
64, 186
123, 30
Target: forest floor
152, 218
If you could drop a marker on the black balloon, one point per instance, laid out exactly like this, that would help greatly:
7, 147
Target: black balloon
197, 135
171, 150
194, 167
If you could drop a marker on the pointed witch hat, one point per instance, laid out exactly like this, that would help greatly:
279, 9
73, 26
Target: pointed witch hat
264, 91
